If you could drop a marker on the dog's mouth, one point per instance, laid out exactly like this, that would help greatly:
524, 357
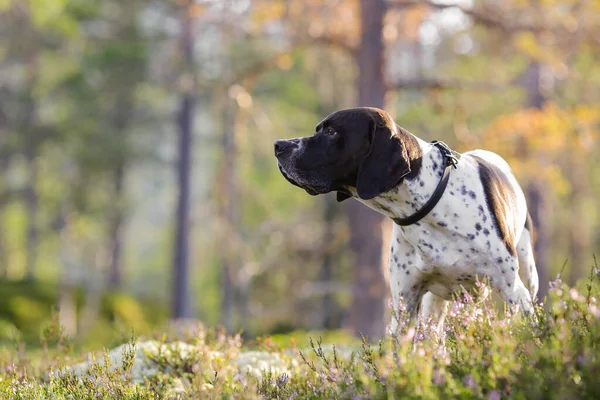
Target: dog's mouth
309, 189
286, 176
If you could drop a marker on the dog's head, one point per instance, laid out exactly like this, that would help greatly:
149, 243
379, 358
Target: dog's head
361, 148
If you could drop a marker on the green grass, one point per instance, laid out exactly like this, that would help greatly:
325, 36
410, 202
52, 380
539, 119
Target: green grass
486, 355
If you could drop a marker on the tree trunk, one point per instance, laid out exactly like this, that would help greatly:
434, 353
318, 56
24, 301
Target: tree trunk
580, 238
94, 290
115, 275
67, 309
368, 305
181, 296
3, 257
537, 190
126, 78
32, 210
124, 109
31, 149
228, 213
3, 251
327, 268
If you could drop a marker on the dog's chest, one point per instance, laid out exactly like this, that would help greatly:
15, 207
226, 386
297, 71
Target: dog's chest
444, 246
445, 258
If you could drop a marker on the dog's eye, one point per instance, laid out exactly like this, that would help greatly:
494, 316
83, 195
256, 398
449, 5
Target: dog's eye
331, 131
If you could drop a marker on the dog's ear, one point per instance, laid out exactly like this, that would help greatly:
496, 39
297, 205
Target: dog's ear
386, 163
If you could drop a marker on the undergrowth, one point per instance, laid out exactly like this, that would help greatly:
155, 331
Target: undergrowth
481, 354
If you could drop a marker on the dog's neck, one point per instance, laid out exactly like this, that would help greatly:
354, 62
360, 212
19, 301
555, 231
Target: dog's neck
415, 189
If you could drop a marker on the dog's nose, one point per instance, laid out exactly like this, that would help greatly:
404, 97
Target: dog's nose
282, 146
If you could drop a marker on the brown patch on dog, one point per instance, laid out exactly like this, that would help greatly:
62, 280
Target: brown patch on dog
500, 200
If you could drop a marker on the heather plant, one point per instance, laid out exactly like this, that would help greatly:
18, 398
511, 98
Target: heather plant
481, 353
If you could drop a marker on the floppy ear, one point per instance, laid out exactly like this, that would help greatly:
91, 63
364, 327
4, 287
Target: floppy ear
384, 166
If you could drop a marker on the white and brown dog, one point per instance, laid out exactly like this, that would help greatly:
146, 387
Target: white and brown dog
459, 218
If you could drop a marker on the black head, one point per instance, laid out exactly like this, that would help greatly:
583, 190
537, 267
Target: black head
360, 148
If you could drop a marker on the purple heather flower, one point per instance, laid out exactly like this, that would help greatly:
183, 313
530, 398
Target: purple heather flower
494, 395
469, 382
283, 380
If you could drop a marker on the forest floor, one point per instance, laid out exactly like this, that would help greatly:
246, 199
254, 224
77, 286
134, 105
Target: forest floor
483, 354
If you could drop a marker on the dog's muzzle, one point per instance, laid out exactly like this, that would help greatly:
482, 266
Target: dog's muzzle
284, 147
283, 150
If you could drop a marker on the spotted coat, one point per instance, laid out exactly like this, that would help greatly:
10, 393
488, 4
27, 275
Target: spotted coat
459, 241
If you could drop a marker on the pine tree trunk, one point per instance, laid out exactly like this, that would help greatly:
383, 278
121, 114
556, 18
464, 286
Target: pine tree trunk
536, 190
185, 118
31, 148
368, 306
228, 214
115, 275
580, 238
3, 256
67, 314
327, 267
122, 116
32, 210
3, 251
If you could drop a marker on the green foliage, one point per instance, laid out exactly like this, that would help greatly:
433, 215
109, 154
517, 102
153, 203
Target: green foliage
27, 307
301, 339
90, 93
551, 355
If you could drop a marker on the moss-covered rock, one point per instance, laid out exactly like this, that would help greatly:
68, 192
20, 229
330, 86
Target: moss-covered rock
151, 357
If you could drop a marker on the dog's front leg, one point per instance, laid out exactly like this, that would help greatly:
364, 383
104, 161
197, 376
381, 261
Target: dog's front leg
406, 283
433, 311
405, 308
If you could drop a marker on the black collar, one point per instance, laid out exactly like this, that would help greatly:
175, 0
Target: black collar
451, 161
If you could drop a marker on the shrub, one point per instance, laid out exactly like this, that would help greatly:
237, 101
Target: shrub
484, 354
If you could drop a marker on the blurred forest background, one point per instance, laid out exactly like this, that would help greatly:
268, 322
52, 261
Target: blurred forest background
137, 177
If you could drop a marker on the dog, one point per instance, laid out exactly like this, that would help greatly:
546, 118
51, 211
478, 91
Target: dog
458, 218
